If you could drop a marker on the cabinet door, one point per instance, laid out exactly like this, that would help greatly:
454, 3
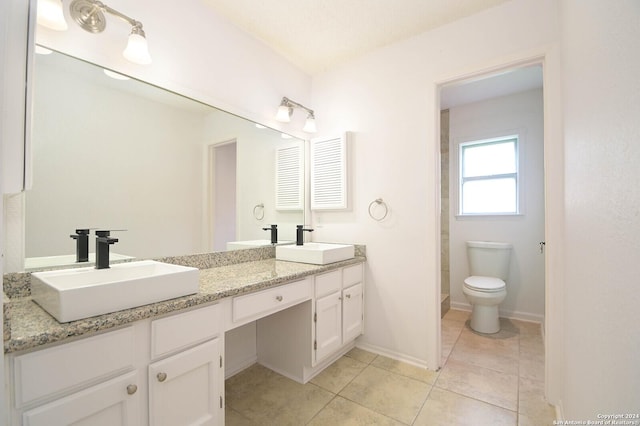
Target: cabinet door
328, 325
351, 312
112, 403
185, 389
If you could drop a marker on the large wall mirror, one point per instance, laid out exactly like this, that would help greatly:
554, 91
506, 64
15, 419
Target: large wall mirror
179, 176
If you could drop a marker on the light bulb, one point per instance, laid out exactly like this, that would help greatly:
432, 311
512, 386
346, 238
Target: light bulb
51, 15
284, 114
137, 50
310, 124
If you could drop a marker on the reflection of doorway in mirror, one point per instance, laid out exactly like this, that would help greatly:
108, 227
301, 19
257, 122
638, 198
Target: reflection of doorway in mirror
222, 194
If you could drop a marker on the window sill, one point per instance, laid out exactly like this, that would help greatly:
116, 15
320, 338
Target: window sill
488, 216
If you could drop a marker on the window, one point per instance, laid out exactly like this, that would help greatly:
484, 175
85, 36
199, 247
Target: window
489, 176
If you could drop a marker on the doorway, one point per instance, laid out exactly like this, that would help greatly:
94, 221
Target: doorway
503, 102
222, 194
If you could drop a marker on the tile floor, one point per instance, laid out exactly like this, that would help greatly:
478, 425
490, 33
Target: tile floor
485, 380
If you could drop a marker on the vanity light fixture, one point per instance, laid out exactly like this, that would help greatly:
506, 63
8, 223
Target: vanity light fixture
285, 110
90, 15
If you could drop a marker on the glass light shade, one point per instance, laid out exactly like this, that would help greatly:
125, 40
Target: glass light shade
137, 50
51, 15
310, 125
283, 114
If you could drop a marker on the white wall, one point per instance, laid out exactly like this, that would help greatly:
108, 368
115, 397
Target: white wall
389, 100
601, 41
520, 114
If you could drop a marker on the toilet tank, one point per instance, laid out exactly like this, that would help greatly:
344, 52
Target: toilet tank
489, 258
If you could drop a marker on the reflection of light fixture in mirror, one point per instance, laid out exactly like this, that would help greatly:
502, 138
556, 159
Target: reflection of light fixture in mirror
51, 15
285, 110
43, 50
115, 75
89, 14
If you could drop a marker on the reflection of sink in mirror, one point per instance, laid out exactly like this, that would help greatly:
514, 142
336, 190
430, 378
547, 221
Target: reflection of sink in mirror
316, 253
72, 294
239, 245
67, 260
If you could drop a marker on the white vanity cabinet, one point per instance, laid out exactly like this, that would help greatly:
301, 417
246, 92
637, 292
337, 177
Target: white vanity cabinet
184, 388
115, 402
301, 341
338, 316
89, 381
187, 387
158, 372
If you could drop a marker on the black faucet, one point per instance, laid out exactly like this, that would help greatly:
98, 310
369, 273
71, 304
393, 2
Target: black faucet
103, 241
82, 244
274, 233
300, 229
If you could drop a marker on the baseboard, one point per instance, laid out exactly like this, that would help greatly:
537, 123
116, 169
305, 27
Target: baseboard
517, 315
559, 411
393, 355
460, 306
231, 369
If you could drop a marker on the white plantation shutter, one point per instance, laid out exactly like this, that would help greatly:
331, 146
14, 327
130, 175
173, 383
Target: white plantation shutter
289, 178
329, 173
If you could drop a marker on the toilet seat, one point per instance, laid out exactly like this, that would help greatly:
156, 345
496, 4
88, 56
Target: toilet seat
484, 284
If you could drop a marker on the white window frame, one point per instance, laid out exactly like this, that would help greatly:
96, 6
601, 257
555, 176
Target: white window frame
517, 174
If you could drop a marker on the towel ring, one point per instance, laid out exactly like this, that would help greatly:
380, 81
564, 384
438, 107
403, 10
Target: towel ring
379, 202
256, 213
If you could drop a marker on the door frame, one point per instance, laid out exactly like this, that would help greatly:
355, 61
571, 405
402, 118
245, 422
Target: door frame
549, 57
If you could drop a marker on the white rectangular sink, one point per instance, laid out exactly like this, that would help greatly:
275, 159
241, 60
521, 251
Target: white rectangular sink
239, 245
316, 253
72, 294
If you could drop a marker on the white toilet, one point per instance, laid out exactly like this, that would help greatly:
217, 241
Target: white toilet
485, 289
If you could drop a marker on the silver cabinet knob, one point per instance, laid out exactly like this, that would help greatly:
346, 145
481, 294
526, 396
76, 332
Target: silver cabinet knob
162, 377
279, 298
131, 389
348, 296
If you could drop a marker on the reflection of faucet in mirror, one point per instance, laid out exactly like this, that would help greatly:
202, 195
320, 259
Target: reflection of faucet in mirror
103, 241
82, 244
300, 229
274, 233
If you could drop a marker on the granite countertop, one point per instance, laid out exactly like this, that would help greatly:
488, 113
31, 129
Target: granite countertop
30, 326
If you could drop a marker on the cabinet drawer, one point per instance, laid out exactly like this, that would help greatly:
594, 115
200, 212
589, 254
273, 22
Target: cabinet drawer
180, 331
352, 275
266, 302
41, 373
328, 283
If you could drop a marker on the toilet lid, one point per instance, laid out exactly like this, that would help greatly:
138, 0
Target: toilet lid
484, 283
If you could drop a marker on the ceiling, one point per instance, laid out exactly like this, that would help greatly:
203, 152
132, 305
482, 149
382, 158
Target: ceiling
316, 35
503, 83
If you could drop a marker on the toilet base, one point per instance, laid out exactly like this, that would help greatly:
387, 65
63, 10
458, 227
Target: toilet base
485, 319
